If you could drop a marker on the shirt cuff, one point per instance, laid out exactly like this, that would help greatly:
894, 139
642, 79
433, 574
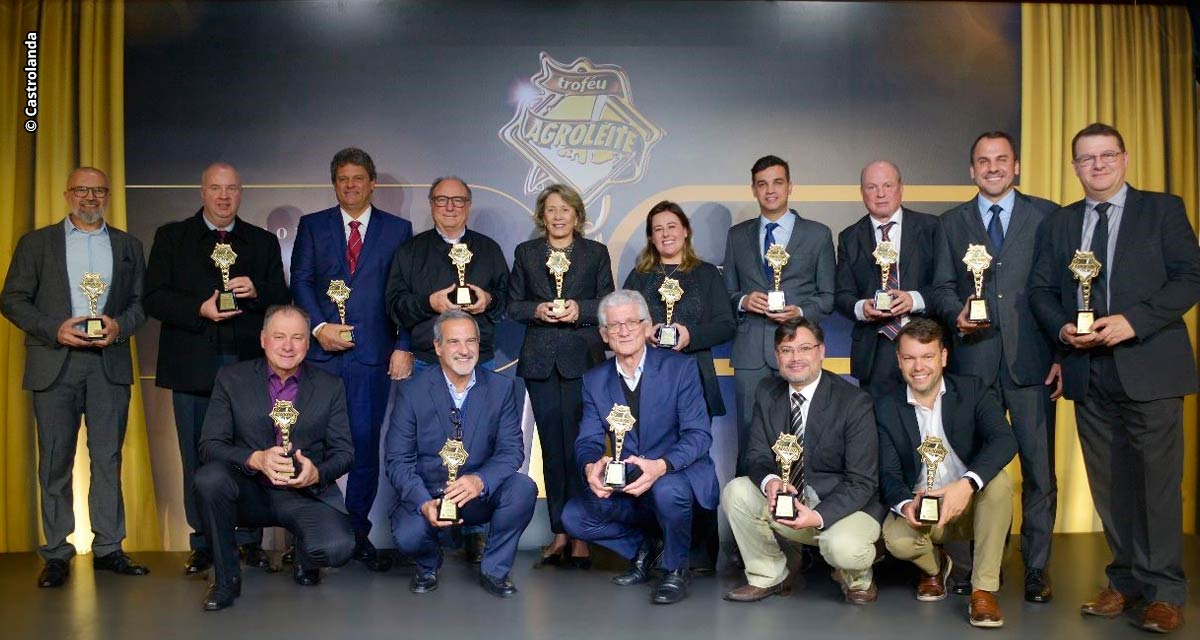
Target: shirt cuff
317, 329
918, 302
898, 509
858, 311
975, 476
820, 526
762, 486
740, 308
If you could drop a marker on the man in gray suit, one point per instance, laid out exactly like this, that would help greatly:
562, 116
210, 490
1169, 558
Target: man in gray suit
73, 375
807, 281
1008, 353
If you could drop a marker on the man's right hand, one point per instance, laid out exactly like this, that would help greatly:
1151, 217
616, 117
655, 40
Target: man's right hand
328, 336
1085, 341
273, 463
871, 313
910, 512
965, 326
430, 510
208, 309
69, 336
755, 302
774, 486
595, 477
440, 299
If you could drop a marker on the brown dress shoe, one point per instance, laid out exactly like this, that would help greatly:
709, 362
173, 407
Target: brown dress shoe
855, 596
1161, 617
751, 593
1109, 603
933, 588
984, 610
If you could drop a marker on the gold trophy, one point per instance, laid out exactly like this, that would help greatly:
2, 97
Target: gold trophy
932, 452
284, 415
453, 456
1085, 268
339, 293
93, 287
461, 256
620, 422
670, 292
787, 450
977, 260
777, 257
224, 257
558, 265
885, 256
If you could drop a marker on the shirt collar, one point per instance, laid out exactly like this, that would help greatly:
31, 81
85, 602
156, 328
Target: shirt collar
213, 227
785, 221
897, 217
274, 377
1006, 203
450, 383
365, 218
913, 400
637, 371
70, 227
451, 240
1118, 199
807, 390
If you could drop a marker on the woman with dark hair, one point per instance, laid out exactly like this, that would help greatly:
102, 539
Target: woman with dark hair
557, 282
701, 318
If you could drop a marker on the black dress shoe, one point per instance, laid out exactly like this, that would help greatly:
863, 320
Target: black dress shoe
423, 582
118, 562
672, 588
306, 577
254, 556
220, 596
54, 574
473, 544
198, 561
371, 557
501, 588
583, 563
1037, 586
640, 566
288, 556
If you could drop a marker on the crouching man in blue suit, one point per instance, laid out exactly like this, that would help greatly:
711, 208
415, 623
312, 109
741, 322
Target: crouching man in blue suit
666, 452
458, 400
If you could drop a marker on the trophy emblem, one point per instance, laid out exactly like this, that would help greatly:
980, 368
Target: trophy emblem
224, 257
93, 287
284, 415
461, 256
787, 450
977, 260
558, 263
885, 256
339, 293
670, 292
777, 257
1085, 267
453, 456
620, 422
932, 453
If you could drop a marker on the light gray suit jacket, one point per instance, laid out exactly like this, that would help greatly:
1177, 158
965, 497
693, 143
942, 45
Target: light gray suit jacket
809, 280
37, 299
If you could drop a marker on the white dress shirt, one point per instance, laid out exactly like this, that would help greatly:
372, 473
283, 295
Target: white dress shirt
810, 497
929, 423
894, 237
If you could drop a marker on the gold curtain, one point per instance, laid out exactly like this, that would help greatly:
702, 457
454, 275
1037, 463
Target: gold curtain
80, 121
1131, 67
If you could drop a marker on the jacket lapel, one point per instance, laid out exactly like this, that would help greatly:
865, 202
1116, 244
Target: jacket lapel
473, 425
336, 236
116, 243
260, 405
376, 230
58, 245
1018, 219
1127, 235
909, 244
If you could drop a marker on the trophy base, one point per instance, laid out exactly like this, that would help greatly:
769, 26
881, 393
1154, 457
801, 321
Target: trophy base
94, 328
929, 511
668, 336
226, 302
347, 335
977, 312
295, 469
775, 301
464, 296
558, 307
785, 506
614, 475
1083, 321
447, 511
883, 301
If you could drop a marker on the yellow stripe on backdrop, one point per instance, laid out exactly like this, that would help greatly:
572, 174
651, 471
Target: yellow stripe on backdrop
80, 121
1129, 66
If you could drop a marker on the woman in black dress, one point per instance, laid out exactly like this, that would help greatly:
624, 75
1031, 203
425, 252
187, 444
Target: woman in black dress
561, 343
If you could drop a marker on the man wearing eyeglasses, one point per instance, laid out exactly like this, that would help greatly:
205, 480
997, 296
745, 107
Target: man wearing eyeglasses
1129, 374
74, 375
458, 401
666, 453
833, 482
197, 338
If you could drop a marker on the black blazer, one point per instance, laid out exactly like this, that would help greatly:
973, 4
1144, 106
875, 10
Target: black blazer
571, 348
238, 423
841, 448
1155, 279
858, 277
181, 276
975, 427
1014, 334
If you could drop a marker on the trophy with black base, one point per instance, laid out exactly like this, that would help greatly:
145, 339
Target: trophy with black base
224, 257
670, 292
977, 260
284, 415
339, 293
788, 451
620, 422
461, 256
453, 456
93, 287
885, 256
932, 452
1085, 267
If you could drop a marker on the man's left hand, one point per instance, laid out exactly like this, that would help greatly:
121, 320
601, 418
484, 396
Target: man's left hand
790, 312
652, 470
902, 302
242, 287
464, 489
111, 331
400, 365
955, 498
1113, 330
308, 476
805, 517
482, 299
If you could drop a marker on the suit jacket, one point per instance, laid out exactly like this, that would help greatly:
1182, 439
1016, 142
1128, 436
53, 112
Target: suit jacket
320, 256
1013, 340
808, 282
975, 428
420, 425
181, 276
672, 422
37, 299
841, 448
1155, 279
237, 423
571, 348
858, 277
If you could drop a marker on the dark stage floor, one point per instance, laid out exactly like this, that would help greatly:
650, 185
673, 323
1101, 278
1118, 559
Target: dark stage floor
559, 604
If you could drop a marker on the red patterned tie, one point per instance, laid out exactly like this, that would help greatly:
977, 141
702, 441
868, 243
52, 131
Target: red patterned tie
354, 246
893, 326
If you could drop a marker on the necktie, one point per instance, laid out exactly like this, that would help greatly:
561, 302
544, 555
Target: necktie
1100, 248
893, 326
995, 230
354, 245
769, 240
797, 427
221, 235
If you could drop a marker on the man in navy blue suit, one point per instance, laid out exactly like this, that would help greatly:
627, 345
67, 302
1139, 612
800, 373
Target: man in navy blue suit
666, 452
354, 242
459, 401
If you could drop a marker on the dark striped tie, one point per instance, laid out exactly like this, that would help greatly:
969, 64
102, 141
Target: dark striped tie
797, 427
893, 326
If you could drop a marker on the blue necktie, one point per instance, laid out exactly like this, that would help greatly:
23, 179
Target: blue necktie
769, 240
995, 230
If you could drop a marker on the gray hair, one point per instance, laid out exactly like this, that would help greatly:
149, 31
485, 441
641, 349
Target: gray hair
275, 309
620, 298
451, 314
455, 178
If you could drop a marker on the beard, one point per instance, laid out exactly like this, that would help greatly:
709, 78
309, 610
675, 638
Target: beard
89, 218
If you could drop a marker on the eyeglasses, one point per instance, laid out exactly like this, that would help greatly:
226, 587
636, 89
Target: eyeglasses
628, 325
1108, 157
442, 201
82, 192
804, 350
